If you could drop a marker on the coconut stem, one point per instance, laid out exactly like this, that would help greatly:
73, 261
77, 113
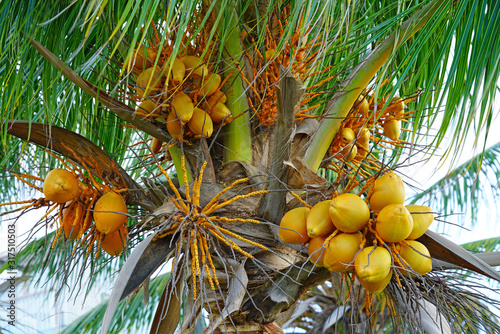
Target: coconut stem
237, 137
339, 106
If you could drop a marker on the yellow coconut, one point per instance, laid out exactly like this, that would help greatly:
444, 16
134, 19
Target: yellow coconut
318, 220
156, 145
201, 123
387, 189
210, 84
394, 223
349, 213
363, 107
269, 54
110, 212
341, 251
60, 186
218, 96
376, 287
147, 107
219, 112
70, 226
363, 137
349, 152
194, 66
177, 70
174, 125
373, 264
114, 243
182, 106
293, 228
422, 219
392, 129
396, 107
347, 135
142, 58
147, 81
316, 250
417, 256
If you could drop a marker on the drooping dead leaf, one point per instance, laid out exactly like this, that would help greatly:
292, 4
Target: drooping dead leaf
303, 177
443, 249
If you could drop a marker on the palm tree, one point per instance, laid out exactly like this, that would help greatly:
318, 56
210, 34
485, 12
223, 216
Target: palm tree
271, 92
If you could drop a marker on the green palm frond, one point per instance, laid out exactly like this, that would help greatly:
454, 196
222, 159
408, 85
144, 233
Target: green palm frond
464, 188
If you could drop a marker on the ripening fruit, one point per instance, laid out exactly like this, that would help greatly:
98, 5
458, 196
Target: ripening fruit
147, 81
156, 145
147, 107
373, 264
347, 135
293, 228
109, 212
418, 257
183, 107
363, 107
269, 54
376, 287
315, 250
349, 213
68, 215
349, 152
114, 243
387, 189
363, 137
194, 66
177, 70
218, 96
394, 223
60, 186
422, 219
396, 107
318, 220
341, 251
392, 129
201, 123
174, 125
142, 58
210, 84
219, 112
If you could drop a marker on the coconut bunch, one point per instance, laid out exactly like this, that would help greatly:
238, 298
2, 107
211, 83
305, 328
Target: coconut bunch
81, 204
373, 239
181, 94
367, 123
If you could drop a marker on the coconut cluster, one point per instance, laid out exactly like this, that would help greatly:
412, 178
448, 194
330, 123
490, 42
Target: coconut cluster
371, 238
181, 95
81, 205
352, 142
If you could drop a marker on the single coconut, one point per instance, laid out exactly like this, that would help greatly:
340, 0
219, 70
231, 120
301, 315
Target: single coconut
218, 96
293, 228
142, 58
194, 66
156, 145
376, 287
60, 186
110, 212
174, 125
387, 189
219, 112
373, 264
347, 135
183, 107
318, 220
147, 81
147, 107
363, 106
349, 152
341, 251
417, 256
201, 123
177, 70
316, 250
392, 129
349, 213
422, 219
210, 84
114, 243
394, 223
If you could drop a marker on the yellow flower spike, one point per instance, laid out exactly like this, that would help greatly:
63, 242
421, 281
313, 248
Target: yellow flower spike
193, 273
231, 243
216, 198
234, 199
197, 186
300, 200
234, 220
185, 208
205, 245
186, 183
253, 243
